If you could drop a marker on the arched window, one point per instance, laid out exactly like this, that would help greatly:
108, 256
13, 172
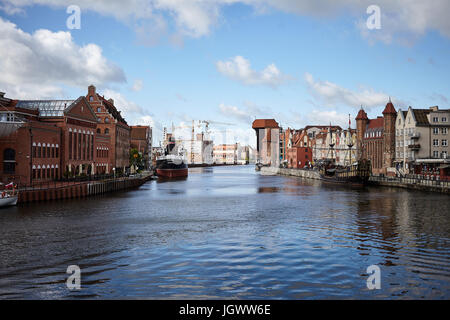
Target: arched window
91, 98
106, 120
98, 130
99, 109
9, 161
106, 131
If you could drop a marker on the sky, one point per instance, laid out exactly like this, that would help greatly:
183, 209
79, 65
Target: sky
170, 62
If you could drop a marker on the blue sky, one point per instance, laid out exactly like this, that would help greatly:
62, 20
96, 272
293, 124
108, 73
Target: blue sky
293, 61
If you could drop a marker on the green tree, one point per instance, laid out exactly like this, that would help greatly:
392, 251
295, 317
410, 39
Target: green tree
136, 158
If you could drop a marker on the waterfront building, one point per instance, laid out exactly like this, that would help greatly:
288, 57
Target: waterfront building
299, 154
113, 133
141, 139
376, 139
199, 150
421, 145
31, 150
226, 153
267, 142
55, 140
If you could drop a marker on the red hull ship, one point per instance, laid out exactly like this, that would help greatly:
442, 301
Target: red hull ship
172, 173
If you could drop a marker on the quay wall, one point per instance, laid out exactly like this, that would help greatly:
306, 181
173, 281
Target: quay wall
79, 190
308, 174
407, 183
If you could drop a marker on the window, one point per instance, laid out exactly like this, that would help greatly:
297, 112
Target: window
435, 119
435, 154
9, 161
98, 130
70, 145
444, 143
435, 143
106, 120
444, 119
106, 131
99, 109
91, 98
444, 130
444, 155
435, 130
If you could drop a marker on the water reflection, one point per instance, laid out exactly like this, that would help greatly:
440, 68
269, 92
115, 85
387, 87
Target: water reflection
228, 232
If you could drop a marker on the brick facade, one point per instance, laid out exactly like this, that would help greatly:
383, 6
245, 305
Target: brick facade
376, 138
115, 151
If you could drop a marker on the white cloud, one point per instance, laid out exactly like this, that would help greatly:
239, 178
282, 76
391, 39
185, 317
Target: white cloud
332, 94
137, 85
235, 113
124, 105
402, 19
238, 68
37, 65
320, 117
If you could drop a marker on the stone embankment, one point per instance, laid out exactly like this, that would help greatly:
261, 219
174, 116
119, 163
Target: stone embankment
71, 190
396, 182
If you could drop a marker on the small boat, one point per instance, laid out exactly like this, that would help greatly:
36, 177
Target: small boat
8, 200
9, 195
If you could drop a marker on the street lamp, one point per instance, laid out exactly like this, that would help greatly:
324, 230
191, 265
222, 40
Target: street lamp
114, 171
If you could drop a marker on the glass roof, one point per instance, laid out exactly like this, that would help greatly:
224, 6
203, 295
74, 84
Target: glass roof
46, 108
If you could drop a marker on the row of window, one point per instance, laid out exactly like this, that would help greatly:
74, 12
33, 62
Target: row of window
372, 134
444, 143
409, 155
407, 131
102, 152
443, 130
99, 131
45, 173
81, 146
443, 154
436, 119
45, 150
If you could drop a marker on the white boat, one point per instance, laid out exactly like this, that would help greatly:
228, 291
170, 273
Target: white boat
8, 200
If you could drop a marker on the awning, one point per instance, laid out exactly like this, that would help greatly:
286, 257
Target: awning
444, 166
430, 161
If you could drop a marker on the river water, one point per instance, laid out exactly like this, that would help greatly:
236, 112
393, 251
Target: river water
228, 232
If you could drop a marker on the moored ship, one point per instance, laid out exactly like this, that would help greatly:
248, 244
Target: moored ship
172, 164
354, 173
357, 173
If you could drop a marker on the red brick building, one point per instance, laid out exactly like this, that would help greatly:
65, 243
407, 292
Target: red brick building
300, 154
376, 138
55, 139
113, 134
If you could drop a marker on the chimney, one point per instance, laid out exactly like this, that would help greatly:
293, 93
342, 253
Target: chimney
435, 108
91, 90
